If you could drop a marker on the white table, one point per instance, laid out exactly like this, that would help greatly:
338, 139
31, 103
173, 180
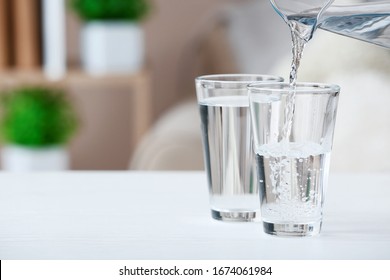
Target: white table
165, 215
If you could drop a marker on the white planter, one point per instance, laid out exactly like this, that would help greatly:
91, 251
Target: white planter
16, 158
112, 47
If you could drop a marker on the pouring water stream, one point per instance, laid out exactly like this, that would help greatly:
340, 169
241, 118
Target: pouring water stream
369, 22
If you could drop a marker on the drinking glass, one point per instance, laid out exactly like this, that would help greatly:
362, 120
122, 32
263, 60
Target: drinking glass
227, 142
293, 154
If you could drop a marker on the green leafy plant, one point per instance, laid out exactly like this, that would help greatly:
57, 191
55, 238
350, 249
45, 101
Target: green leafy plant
130, 10
37, 117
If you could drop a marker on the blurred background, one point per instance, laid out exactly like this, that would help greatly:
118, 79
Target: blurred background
127, 71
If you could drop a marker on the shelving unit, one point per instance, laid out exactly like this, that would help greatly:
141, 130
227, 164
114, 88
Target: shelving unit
114, 110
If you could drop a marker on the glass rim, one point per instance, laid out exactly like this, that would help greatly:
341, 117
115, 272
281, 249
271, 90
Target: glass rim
244, 79
301, 87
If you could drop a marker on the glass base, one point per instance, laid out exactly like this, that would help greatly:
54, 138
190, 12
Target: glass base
234, 216
309, 229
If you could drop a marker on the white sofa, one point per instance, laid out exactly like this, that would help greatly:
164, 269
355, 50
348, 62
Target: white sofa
173, 143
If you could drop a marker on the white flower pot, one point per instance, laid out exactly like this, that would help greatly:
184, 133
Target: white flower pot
112, 47
17, 158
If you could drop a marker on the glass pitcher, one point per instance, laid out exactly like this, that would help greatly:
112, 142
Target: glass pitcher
368, 21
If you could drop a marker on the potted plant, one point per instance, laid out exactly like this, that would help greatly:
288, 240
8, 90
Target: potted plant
36, 124
112, 39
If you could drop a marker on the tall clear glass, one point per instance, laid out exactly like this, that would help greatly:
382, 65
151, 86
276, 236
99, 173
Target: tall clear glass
293, 168
227, 141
